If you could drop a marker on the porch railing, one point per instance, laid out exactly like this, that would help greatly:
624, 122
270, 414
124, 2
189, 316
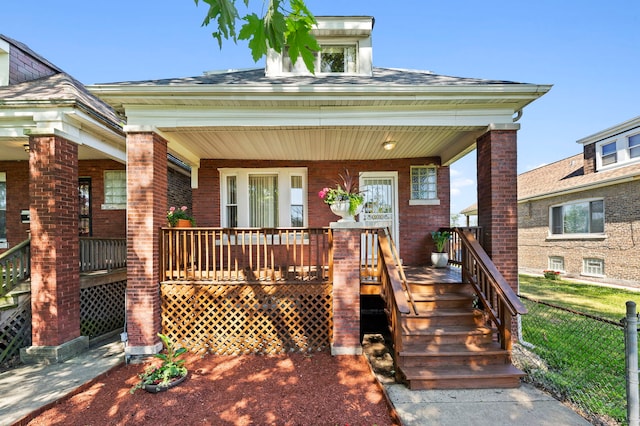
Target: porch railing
393, 286
247, 255
455, 245
15, 266
495, 295
97, 254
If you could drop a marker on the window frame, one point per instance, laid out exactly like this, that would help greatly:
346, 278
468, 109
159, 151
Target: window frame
284, 175
601, 266
556, 263
624, 154
631, 149
299, 68
112, 204
424, 201
577, 235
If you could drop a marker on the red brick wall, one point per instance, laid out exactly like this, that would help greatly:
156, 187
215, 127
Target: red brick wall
416, 222
179, 190
497, 200
24, 67
55, 274
17, 199
105, 223
147, 199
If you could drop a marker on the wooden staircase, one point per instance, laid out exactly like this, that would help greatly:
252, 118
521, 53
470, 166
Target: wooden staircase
445, 343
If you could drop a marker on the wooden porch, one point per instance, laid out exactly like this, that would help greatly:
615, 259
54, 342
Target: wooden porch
451, 327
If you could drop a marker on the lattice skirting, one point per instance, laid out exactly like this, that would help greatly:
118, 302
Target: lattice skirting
102, 308
248, 318
15, 331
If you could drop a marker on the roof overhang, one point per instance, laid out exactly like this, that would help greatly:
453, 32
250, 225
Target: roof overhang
318, 121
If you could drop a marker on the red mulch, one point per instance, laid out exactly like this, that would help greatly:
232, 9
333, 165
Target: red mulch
293, 389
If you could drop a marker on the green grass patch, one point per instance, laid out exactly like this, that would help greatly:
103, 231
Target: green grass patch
605, 302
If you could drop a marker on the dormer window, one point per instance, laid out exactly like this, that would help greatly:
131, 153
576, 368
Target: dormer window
330, 59
345, 48
634, 146
609, 155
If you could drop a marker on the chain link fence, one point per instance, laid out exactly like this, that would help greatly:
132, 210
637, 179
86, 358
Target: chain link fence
579, 358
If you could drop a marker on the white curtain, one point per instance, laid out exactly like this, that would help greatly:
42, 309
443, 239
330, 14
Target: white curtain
263, 201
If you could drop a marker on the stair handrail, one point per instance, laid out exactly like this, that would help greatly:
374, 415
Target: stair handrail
500, 302
391, 273
15, 266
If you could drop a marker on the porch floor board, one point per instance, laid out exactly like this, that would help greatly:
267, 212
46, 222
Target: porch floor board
430, 275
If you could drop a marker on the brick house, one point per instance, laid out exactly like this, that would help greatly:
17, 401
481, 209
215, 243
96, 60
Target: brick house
261, 143
579, 215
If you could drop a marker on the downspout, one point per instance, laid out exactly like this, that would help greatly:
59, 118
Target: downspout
518, 115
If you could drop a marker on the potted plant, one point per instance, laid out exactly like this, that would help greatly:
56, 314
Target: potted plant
345, 199
551, 274
440, 257
171, 372
179, 218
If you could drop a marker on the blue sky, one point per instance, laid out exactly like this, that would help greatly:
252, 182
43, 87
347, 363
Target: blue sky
589, 50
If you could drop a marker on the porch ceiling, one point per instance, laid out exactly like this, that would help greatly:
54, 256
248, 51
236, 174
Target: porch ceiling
321, 143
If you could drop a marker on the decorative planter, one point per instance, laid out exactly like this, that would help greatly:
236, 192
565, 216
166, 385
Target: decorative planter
183, 223
439, 260
341, 208
160, 388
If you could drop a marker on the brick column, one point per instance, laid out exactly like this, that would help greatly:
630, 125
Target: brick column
498, 199
146, 213
55, 271
346, 291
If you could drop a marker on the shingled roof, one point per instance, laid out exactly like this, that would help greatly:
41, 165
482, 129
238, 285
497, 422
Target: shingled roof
381, 76
58, 89
567, 175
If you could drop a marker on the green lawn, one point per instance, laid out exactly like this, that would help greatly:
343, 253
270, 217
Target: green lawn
591, 299
583, 358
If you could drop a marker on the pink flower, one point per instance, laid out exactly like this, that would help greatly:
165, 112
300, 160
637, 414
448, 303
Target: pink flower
323, 193
183, 208
172, 209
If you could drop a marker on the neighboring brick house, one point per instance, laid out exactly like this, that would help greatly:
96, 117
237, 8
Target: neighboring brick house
581, 215
261, 143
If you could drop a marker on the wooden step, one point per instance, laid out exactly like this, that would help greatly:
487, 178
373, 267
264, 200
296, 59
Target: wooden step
441, 317
462, 377
428, 302
440, 288
452, 355
448, 335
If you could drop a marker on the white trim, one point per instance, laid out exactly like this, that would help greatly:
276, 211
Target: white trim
396, 212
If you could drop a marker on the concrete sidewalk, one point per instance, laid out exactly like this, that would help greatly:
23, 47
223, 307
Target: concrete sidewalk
28, 389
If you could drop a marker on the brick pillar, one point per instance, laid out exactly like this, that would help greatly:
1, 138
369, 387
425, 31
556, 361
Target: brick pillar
498, 199
55, 271
346, 291
146, 213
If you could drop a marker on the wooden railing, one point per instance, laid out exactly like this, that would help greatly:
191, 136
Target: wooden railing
97, 254
498, 299
393, 285
455, 245
15, 266
247, 255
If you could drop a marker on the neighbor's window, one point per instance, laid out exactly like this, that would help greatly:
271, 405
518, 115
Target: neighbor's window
330, 59
609, 154
115, 189
556, 263
592, 266
634, 146
585, 217
263, 198
424, 183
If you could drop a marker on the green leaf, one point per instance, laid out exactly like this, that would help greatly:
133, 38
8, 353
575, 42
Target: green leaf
253, 31
225, 14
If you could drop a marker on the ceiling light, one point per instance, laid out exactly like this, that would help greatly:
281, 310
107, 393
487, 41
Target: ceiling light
26, 147
389, 145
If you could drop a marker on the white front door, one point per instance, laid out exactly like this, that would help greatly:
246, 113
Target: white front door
380, 209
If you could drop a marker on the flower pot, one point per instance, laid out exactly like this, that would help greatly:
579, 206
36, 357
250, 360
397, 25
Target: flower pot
183, 223
439, 260
161, 388
341, 208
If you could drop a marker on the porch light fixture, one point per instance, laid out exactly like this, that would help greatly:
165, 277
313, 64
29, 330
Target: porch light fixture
389, 145
26, 147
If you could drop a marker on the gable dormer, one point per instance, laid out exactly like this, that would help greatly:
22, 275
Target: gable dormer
345, 48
